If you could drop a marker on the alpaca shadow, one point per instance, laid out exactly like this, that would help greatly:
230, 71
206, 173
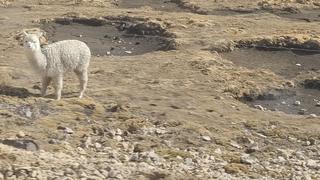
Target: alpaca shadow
15, 91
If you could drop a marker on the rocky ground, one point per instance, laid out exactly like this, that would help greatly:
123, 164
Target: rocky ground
168, 114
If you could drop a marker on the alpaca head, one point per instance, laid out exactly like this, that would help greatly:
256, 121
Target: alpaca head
31, 41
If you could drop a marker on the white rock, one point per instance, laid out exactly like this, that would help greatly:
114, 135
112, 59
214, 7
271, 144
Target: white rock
118, 138
247, 159
260, 107
128, 52
28, 113
97, 145
118, 132
206, 138
297, 103
298, 64
68, 130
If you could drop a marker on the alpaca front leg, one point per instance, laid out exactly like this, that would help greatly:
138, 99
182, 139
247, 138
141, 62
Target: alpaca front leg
45, 83
58, 84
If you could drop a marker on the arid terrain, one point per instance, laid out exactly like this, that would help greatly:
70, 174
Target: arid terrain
178, 89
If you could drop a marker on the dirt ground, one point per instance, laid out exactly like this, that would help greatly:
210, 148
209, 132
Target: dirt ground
163, 113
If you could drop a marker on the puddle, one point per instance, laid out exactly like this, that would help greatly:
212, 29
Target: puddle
282, 62
109, 38
298, 100
158, 5
305, 15
304, 99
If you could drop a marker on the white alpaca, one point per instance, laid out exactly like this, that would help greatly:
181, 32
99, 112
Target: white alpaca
53, 60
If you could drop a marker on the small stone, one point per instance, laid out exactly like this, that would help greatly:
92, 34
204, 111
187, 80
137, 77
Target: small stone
134, 157
28, 113
302, 111
160, 131
188, 162
218, 151
260, 107
53, 141
118, 132
313, 115
235, 144
206, 138
312, 141
247, 159
21, 134
128, 52
80, 35
318, 104
97, 145
253, 148
297, 103
298, 64
118, 138
108, 52
112, 174
68, 130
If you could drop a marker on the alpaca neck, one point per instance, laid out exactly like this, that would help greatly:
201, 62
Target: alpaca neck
37, 59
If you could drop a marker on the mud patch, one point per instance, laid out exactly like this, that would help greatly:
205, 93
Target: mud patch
112, 37
28, 145
158, 5
297, 100
303, 99
14, 91
282, 62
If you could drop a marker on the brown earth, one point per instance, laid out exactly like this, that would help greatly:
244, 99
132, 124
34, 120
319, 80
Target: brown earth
170, 114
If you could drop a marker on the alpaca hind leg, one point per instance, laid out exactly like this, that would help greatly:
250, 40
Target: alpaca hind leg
83, 78
58, 84
45, 83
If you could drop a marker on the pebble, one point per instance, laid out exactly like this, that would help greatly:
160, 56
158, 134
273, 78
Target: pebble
21, 134
206, 138
218, 151
302, 111
118, 132
112, 174
318, 104
28, 113
253, 148
118, 138
298, 65
68, 130
313, 116
128, 52
260, 107
235, 144
247, 159
297, 103
97, 145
